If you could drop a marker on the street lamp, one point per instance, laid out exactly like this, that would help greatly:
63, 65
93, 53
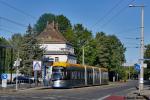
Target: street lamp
141, 47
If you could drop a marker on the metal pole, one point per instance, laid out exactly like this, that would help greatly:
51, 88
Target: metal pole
141, 47
129, 73
83, 63
16, 77
17, 71
83, 56
142, 50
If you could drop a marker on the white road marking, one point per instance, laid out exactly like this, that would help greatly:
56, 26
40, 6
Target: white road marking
49, 98
104, 97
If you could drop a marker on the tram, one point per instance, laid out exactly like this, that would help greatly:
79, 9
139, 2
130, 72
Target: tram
66, 75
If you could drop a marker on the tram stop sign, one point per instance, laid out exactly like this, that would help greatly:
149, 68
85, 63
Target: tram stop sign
37, 65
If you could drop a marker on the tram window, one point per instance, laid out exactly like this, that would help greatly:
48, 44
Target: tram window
58, 73
81, 75
78, 75
95, 75
87, 75
72, 76
68, 75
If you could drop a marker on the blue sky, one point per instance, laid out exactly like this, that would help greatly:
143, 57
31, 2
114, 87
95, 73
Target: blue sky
121, 20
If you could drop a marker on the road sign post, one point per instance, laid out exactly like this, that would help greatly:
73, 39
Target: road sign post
17, 64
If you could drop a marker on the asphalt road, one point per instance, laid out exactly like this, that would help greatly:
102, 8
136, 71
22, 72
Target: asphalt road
85, 93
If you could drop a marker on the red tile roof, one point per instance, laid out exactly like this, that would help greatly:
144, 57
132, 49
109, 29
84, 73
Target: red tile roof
51, 35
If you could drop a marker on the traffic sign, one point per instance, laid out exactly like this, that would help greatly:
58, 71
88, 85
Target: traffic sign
4, 80
4, 83
144, 65
4, 76
137, 67
37, 65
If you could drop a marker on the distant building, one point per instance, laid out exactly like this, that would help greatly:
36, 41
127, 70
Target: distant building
57, 47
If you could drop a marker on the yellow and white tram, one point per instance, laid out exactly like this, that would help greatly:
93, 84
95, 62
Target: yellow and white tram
66, 75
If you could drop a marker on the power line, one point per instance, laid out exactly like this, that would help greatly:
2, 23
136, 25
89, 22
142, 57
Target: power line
131, 43
136, 38
14, 22
132, 47
129, 30
16, 9
6, 30
108, 13
10, 27
117, 14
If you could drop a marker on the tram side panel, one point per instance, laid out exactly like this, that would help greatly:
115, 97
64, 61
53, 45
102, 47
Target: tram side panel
89, 76
104, 77
76, 76
97, 77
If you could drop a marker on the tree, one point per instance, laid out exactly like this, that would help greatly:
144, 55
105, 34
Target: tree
82, 39
3, 41
5, 55
110, 51
16, 42
103, 53
147, 56
42, 22
29, 50
63, 22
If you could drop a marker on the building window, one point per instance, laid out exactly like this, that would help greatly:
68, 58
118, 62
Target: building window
56, 59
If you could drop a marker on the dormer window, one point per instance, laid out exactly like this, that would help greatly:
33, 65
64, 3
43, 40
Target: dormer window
56, 59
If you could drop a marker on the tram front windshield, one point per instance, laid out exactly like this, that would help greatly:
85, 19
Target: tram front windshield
58, 73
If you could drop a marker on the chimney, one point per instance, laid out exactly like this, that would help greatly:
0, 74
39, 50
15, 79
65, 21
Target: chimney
53, 24
56, 26
47, 23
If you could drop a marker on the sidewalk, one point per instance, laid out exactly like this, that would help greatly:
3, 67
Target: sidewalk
144, 95
21, 87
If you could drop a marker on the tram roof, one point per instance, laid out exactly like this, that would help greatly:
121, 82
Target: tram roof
65, 64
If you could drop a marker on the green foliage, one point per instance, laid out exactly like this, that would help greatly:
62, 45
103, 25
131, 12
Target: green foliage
147, 56
31, 51
110, 51
16, 42
28, 48
82, 39
5, 55
3, 41
147, 73
42, 22
63, 22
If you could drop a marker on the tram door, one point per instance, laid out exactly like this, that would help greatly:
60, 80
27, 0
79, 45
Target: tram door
49, 73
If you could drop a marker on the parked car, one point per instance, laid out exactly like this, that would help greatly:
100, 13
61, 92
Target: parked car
23, 79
